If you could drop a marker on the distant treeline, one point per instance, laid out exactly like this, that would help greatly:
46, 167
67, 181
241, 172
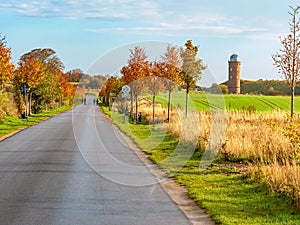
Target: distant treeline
267, 87
78, 77
258, 87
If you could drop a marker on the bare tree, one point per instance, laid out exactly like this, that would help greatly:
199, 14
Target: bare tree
170, 70
155, 84
287, 60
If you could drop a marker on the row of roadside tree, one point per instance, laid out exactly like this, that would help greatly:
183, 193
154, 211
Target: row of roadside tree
37, 82
177, 67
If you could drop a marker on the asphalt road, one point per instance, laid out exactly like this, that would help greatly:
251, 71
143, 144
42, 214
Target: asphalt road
75, 169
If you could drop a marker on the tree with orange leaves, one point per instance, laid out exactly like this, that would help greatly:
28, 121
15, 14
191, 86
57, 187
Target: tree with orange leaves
6, 67
137, 68
68, 90
41, 70
102, 93
28, 73
108, 91
49, 91
111, 89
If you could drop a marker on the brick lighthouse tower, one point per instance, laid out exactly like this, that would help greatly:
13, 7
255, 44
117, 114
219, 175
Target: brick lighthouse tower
234, 74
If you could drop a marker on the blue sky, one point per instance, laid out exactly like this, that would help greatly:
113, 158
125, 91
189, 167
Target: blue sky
83, 31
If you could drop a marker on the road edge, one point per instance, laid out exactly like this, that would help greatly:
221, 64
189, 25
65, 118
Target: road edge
177, 192
2, 138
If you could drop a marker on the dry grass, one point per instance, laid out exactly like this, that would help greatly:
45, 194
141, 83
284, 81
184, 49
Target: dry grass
281, 178
147, 111
269, 140
249, 136
179, 126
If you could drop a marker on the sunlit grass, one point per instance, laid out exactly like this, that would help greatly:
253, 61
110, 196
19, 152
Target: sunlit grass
12, 124
230, 199
232, 102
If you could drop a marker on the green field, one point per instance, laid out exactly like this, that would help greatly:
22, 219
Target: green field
232, 102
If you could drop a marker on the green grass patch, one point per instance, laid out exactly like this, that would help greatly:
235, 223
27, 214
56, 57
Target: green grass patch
230, 199
105, 109
231, 102
12, 124
227, 196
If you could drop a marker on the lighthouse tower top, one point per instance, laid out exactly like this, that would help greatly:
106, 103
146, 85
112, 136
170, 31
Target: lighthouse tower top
234, 58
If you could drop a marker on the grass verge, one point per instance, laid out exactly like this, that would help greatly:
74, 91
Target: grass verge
13, 124
228, 196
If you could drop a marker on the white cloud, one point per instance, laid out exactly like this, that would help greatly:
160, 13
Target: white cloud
182, 29
147, 17
101, 9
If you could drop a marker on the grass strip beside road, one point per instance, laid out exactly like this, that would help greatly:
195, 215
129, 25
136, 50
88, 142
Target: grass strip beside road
15, 124
228, 196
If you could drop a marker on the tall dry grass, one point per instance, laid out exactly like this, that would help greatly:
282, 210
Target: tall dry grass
281, 178
270, 140
250, 136
179, 126
247, 135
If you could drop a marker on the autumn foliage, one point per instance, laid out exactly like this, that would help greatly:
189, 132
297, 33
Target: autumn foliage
176, 67
40, 72
29, 71
137, 68
6, 67
6, 75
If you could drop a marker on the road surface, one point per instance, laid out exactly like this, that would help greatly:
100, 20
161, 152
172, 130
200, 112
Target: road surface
74, 169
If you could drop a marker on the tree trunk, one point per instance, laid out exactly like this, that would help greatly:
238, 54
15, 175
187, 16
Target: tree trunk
131, 106
292, 101
186, 102
169, 105
26, 105
153, 108
136, 108
30, 105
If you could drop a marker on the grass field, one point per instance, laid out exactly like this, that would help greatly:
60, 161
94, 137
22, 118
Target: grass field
232, 102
